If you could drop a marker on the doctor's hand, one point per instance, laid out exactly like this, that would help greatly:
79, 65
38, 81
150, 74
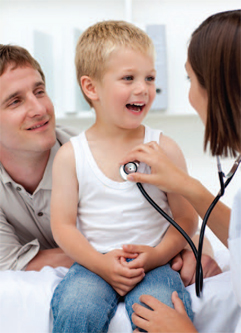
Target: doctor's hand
185, 262
122, 279
164, 173
161, 318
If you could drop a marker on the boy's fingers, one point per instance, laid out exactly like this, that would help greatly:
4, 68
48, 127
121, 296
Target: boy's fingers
132, 248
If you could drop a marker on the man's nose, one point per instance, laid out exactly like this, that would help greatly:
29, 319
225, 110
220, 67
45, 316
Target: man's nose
35, 106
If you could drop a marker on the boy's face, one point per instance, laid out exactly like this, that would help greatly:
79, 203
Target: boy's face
26, 112
127, 90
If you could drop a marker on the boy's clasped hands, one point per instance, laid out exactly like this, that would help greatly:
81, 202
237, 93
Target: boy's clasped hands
123, 274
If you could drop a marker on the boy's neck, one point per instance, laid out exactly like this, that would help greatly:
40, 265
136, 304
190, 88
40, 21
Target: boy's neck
116, 134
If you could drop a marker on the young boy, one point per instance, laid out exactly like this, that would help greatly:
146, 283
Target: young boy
95, 215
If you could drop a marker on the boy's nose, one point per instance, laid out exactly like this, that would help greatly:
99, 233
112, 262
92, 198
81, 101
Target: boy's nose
141, 88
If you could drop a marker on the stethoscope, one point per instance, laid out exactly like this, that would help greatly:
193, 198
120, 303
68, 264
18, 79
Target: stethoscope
132, 167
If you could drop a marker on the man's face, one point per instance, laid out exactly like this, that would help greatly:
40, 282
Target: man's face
27, 120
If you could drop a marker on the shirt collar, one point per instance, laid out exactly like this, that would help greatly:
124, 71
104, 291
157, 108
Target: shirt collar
4, 175
46, 182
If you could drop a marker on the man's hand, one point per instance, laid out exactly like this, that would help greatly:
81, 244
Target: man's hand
52, 257
185, 262
161, 318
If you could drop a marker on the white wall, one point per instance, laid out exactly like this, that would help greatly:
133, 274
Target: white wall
59, 18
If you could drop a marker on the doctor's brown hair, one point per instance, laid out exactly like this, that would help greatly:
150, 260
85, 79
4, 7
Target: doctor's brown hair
18, 57
214, 54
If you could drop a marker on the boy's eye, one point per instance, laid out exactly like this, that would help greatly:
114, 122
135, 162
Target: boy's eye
150, 78
128, 78
188, 78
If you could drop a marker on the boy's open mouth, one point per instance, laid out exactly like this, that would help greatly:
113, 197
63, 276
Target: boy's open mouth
135, 107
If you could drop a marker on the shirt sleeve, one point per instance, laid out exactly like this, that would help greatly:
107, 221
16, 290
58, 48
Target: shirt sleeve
14, 255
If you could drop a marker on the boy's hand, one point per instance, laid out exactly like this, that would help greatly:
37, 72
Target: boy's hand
121, 278
146, 257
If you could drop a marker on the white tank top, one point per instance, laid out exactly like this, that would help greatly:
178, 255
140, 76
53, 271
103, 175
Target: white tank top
112, 213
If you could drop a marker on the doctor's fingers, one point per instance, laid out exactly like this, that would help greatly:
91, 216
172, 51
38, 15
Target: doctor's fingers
178, 304
143, 153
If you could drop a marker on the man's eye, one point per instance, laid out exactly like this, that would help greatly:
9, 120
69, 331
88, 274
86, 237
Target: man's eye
40, 92
150, 78
128, 78
15, 102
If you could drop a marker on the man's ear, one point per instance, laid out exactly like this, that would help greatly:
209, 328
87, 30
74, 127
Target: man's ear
89, 87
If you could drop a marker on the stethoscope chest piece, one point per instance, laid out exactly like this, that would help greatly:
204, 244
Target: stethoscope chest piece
128, 168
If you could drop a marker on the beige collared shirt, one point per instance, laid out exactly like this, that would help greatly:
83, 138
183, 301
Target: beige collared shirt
25, 218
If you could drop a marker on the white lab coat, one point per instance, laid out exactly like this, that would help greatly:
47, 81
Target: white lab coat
234, 244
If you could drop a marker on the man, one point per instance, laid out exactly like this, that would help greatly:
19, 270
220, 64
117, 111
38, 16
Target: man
27, 147
29, 141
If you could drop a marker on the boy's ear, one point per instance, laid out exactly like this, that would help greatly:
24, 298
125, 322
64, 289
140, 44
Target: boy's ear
89, 88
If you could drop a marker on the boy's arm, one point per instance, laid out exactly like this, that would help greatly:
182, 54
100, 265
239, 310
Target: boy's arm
64, 203
183, 212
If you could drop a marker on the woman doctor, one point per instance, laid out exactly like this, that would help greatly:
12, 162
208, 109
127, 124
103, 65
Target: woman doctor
213, 67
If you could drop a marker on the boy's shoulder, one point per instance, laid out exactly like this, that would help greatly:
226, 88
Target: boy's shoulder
65, 153
168, 144
172, 150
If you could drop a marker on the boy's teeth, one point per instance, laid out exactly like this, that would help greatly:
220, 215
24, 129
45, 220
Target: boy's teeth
135, 107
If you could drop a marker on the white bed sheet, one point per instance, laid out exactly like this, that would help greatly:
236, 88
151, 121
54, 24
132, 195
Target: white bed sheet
25, 303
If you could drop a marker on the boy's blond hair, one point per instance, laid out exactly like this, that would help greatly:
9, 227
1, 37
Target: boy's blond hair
97, 43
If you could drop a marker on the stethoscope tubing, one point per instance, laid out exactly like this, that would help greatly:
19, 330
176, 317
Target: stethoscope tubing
223, 186
197, 252
177, 226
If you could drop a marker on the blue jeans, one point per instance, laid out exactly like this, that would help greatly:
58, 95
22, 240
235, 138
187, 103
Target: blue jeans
84, 302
